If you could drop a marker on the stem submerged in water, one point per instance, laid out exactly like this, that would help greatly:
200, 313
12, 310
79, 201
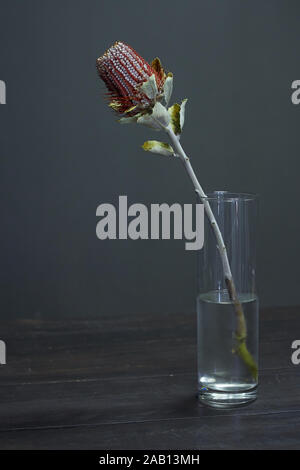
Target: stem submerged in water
241, 328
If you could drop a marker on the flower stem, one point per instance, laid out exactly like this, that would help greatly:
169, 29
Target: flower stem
241, 328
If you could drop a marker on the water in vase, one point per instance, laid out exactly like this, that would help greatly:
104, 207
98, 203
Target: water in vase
222, 375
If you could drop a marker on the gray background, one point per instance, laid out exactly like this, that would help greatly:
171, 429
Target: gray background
62, 153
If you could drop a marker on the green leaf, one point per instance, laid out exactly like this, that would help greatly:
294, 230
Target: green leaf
174, 112
177, 113
161, 148
161, 115
168, 88
147, 120
182, 113
150, 87
129, 119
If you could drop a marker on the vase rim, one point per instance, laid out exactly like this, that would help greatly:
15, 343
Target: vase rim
230, 196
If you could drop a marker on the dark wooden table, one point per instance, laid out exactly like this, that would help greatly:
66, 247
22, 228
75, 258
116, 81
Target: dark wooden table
122, 382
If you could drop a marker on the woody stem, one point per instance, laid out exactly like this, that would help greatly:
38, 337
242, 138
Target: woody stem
241, 328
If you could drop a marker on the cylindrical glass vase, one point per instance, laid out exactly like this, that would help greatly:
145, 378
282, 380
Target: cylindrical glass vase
227, 352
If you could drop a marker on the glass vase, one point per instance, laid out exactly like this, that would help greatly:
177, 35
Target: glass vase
228, 354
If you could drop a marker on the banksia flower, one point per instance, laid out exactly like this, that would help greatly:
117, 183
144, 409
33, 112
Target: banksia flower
134, 86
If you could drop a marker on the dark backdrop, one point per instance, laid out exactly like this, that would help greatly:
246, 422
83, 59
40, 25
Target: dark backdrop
62, 153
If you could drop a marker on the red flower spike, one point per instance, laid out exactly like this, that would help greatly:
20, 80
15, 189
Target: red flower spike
123, 71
